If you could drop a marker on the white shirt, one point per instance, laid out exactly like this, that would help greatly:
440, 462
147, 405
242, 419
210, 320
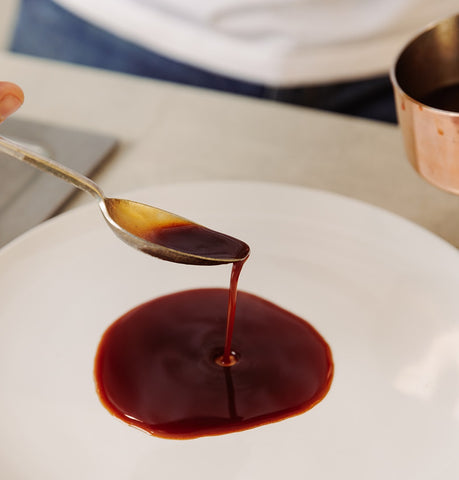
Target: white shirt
281, 43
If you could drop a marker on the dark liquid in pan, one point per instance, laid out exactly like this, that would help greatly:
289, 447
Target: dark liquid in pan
444, 98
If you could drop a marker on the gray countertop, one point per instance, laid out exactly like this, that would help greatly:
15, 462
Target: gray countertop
169, 133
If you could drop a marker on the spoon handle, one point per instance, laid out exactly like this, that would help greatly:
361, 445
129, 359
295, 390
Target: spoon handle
78, 180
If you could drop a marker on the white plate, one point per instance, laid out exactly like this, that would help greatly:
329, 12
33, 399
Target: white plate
382, 291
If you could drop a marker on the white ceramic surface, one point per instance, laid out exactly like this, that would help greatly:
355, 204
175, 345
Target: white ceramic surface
382, 291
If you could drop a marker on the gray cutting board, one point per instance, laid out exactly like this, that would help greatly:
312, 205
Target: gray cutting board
28, 196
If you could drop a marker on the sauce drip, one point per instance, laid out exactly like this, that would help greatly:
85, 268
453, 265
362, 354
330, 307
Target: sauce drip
167, 368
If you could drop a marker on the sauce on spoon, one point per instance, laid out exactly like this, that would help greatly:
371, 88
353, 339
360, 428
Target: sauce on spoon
170, 236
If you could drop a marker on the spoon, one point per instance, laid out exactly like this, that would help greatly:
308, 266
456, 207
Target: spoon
149, 229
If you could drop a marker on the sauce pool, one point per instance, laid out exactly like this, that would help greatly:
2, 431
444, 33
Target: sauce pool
157, 366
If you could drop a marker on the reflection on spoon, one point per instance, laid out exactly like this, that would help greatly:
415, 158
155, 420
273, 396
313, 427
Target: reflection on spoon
146, 228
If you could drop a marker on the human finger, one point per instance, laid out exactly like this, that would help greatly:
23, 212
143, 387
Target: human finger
11, 98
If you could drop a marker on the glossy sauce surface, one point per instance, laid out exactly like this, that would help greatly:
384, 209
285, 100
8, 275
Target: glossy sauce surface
174, 232
198, 240
156, 366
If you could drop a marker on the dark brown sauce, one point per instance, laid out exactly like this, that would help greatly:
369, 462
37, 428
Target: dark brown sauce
156, 366
198, 240
174, 232
444, 98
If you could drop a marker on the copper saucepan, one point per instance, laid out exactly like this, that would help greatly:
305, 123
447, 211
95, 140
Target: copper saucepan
425, 78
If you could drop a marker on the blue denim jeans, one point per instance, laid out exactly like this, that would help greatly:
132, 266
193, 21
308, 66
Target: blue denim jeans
44, 29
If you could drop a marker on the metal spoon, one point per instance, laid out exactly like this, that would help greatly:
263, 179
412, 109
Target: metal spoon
149, 229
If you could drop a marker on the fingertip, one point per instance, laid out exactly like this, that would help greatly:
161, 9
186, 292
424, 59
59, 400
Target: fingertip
11, 98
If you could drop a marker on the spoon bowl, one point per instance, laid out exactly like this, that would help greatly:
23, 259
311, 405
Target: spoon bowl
149, 229
168, 236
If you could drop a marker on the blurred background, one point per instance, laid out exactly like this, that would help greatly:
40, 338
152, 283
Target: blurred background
7, 19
